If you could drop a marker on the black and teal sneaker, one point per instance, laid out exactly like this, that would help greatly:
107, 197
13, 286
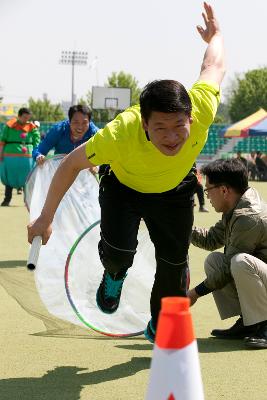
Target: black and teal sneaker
109, 293
150, 332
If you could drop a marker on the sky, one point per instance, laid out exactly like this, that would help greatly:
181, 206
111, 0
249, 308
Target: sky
150, 39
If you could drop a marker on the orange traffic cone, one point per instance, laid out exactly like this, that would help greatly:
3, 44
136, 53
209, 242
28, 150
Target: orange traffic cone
175, 370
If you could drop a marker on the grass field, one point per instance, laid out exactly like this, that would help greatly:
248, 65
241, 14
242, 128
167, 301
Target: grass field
48, 359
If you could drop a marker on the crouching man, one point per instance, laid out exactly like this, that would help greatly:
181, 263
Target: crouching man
237, 277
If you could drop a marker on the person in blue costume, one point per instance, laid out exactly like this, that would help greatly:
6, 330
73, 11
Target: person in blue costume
65, 136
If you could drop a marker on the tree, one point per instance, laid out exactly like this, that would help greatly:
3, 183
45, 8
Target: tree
44, 110
222, 116
1, 95
123, 80
247, 94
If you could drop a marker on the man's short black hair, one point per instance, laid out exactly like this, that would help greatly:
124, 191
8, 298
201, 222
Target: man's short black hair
24, 110
85, 110
167, 96
232, 173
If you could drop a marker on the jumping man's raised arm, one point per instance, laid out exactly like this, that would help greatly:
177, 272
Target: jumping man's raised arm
213, 65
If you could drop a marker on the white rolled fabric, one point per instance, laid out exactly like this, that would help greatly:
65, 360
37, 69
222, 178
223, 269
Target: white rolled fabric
78, 210
34, 252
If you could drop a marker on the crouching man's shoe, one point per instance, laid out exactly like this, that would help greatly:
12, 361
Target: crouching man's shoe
258, 340
237, 331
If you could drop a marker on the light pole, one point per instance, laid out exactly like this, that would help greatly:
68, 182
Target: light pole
73, 58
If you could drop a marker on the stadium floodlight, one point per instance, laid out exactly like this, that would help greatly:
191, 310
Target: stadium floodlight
73, 58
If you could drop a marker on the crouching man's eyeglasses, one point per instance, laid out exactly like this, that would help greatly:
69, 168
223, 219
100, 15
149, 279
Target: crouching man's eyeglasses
207, 190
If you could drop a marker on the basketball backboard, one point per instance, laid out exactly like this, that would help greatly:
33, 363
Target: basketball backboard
108, 98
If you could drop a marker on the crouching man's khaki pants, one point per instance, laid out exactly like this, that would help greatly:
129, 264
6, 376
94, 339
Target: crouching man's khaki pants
246, 295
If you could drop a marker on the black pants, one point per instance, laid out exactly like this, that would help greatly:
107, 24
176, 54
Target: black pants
200, 194
8, 194
169, 219
102, 170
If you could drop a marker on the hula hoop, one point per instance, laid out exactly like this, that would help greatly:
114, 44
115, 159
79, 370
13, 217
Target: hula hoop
70, 299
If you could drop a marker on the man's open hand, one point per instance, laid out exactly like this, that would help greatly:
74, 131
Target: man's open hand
212, 26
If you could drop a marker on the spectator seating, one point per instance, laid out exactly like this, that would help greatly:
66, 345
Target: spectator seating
251, 143
214, 142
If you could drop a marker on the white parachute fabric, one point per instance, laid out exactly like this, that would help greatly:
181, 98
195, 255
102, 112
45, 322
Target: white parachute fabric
76, 233
78, 209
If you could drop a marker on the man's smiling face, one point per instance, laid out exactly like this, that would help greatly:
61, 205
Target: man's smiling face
168, 131
79, 125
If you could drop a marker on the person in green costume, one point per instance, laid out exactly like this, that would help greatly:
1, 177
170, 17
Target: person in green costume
17, 141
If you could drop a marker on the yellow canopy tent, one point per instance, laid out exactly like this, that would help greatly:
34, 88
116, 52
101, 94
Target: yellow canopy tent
241, 128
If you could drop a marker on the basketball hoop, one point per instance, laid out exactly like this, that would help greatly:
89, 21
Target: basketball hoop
111, 99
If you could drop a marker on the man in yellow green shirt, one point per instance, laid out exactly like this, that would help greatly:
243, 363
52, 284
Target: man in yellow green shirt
151, 149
